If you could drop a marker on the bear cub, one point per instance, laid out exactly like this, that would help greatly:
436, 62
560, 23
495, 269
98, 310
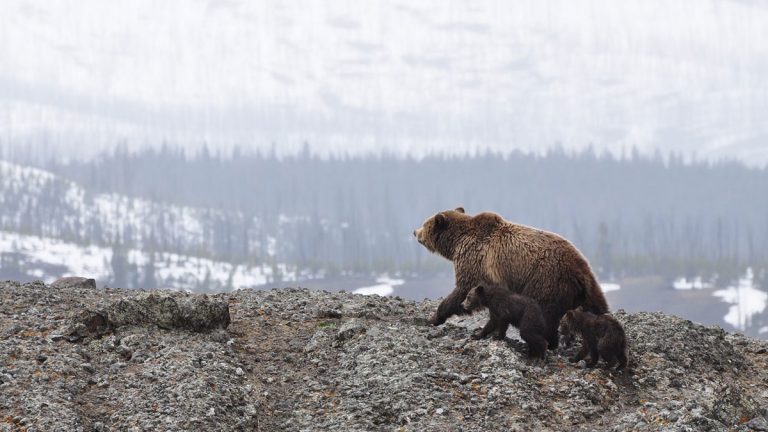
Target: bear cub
507, 308
602, 337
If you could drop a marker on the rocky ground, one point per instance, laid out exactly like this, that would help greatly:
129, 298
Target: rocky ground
76, 358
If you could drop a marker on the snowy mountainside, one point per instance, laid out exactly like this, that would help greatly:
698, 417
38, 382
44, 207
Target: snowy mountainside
51, 227
48, 259
38, 202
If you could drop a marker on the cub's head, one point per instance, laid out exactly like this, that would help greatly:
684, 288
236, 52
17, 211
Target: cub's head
569, 323
475, 299
432, 234
566, 324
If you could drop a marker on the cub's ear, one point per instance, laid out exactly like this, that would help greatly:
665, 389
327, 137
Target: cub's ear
569, 314
441, 220
479, 289
580, 308
459, 209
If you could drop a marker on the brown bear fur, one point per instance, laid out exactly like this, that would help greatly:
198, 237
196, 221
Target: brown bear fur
507, 308
486, 249
602, 337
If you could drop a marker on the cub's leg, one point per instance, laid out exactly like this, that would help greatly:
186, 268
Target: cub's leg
622, 360
501, 331
537, 344
594, 355
607, 353
581, 354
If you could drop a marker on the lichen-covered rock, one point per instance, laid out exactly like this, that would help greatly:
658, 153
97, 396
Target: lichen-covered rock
295, 360
163, 310
167, 312
89, 323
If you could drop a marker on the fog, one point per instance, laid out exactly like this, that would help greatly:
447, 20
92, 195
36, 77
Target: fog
345, 76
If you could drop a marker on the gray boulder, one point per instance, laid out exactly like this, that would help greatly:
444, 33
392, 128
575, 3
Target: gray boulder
74, 282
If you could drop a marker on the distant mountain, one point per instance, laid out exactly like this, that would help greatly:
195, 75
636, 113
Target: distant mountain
438, 76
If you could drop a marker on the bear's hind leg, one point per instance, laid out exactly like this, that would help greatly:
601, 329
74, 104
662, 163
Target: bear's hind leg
552, 319
552, 315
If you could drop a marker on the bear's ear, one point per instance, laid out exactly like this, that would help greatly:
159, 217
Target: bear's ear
569, 314
479, 289
441, 221
459, 209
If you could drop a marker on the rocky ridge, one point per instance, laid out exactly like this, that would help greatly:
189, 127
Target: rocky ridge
294, 359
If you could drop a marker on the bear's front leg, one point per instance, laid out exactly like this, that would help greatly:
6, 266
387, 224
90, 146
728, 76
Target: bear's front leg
450, 306
489, 327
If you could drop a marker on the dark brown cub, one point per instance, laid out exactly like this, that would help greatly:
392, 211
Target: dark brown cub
507, 308
602, 336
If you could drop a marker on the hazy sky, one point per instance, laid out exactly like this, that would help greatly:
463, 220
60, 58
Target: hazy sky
357, 75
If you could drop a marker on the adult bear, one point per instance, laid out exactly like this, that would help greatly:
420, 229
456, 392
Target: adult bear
486, 249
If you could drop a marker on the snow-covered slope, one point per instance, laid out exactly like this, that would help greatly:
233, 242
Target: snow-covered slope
52, 227
685, 75
48, 259
39, 202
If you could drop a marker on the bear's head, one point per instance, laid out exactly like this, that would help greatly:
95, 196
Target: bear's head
474, 299
437, 234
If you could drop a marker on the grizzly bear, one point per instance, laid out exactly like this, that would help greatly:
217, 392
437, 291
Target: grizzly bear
507, 308
602, 336
486, 249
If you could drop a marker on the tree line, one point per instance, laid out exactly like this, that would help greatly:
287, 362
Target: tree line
630, 215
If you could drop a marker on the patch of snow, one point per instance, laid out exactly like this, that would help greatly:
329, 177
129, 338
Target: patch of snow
608, 287
695, 283
746, 300
385, 286
42, 256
